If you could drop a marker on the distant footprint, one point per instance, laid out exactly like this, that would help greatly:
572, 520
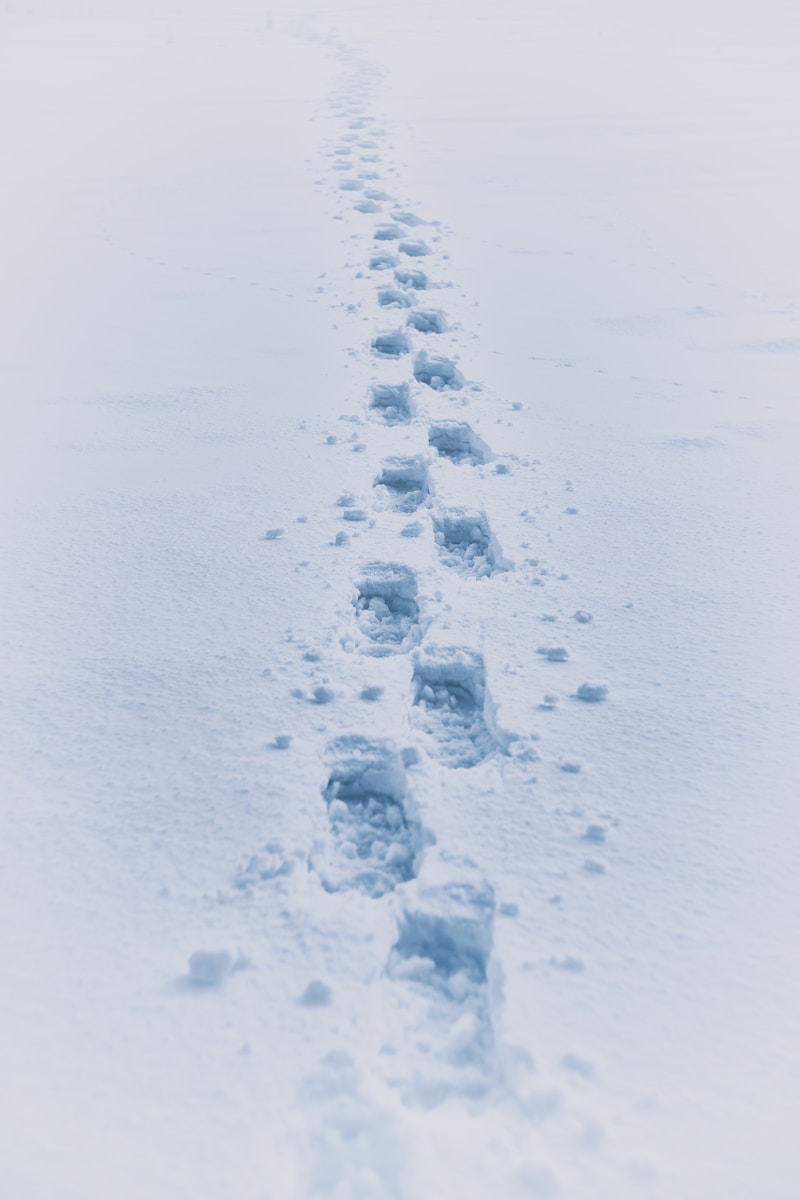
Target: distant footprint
387, 233
394, 298
391, 344
466, 543
450, 703
404, 482
375, 839
382, 261
408, 277
408, 218
414, 249
427, 320
386, 609
456, 441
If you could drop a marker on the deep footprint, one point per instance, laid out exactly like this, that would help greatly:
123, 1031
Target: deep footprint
375, 841
394, 298
386, 608
448, 931
391, 403
443, 949
411, 278
427, 320
465, 543
456, 441
391, 344
405, 482
437, 372
449, 702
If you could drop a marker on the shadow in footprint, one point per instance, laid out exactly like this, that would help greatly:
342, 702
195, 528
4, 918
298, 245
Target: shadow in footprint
456, 441
391, 344
391, 403
427, 320
375, 840
450, 703
387, 613
404, 482
466, 543
437, 372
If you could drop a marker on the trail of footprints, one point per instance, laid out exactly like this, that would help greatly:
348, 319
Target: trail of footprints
376, 843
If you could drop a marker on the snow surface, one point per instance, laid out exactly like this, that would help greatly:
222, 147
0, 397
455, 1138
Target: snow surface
399, 549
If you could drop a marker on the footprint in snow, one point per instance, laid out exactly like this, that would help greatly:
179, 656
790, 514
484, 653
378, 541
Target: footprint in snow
457, 442
450, 702
375, 839
437, 372
386, 609
391, 403
466, 543
404, 482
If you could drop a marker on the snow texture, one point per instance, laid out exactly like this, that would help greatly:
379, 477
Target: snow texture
400, 677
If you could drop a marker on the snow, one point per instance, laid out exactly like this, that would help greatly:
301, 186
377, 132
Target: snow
400, 670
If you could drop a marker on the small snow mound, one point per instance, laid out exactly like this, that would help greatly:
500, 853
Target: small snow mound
592, 693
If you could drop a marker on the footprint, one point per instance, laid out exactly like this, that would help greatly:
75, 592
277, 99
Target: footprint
466, 543
414, 249
437, 372
375, 839
405, 481
450, 702
393, 298
411, 278
387, 613
382, 261
427, 320
445, 931
350, 185
387, 233
367, 206
456, 441
391, 402
408, 218
443, 949
391, 344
